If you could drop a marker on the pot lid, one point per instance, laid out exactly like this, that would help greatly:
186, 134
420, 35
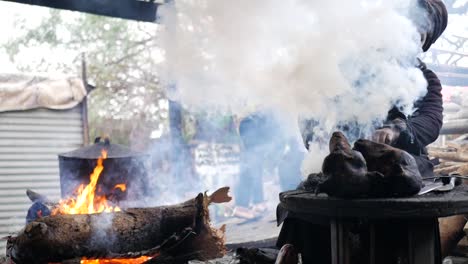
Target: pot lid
94, 151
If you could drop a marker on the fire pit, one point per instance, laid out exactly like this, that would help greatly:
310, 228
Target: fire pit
89, 226
166, 234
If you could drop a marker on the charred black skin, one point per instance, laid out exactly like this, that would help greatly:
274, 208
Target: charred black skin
399, 168
368, 170
346, 170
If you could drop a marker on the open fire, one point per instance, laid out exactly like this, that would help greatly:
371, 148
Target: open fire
116, 261
88, 200
91, 228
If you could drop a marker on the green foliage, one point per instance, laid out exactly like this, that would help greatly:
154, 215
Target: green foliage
121, 59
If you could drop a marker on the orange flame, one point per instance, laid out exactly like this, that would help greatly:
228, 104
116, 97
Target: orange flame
139, 260
121, 186
86, 200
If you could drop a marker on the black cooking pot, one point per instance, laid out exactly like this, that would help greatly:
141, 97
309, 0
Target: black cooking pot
122, 165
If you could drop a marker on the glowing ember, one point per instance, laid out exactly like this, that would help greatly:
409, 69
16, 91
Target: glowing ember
86, 201
121, 186
139, 260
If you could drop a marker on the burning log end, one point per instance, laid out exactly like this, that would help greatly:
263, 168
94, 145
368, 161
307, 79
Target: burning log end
61, 237
35, 229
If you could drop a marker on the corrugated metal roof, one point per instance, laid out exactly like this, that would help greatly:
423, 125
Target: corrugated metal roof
29, 144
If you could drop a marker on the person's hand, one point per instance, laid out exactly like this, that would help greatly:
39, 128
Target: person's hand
385, 136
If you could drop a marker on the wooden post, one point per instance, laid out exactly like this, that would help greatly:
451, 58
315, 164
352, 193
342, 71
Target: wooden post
84, 103
340, 244
422, 241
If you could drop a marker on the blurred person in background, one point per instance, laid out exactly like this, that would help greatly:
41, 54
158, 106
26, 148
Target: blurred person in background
261, 142
289, 167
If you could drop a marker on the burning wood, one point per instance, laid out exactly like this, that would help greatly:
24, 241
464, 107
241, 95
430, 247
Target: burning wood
113, 235
87, 201
89, 228
116, 261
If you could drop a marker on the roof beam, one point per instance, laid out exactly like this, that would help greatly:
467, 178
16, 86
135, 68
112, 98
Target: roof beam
139, 10
451, 75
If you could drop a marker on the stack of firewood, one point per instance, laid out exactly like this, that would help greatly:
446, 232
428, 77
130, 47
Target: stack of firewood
453, 158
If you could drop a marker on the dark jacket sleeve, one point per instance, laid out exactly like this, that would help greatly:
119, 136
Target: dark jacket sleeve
423, 126
426, 122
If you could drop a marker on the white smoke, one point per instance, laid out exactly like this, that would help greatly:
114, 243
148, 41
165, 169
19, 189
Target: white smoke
329, 60
312, 162
102, 235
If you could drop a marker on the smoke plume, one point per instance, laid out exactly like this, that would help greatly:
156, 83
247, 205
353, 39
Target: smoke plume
332, 61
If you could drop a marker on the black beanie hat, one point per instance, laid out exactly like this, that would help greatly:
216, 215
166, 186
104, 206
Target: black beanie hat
437, 19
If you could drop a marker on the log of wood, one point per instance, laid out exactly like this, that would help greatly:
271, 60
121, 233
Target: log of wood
463, 170
452, 156
444, 164
459, 147
442, 149
61, 237
447, 170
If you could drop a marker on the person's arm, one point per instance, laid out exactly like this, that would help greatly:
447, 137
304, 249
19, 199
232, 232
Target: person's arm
426, 122
422, 128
